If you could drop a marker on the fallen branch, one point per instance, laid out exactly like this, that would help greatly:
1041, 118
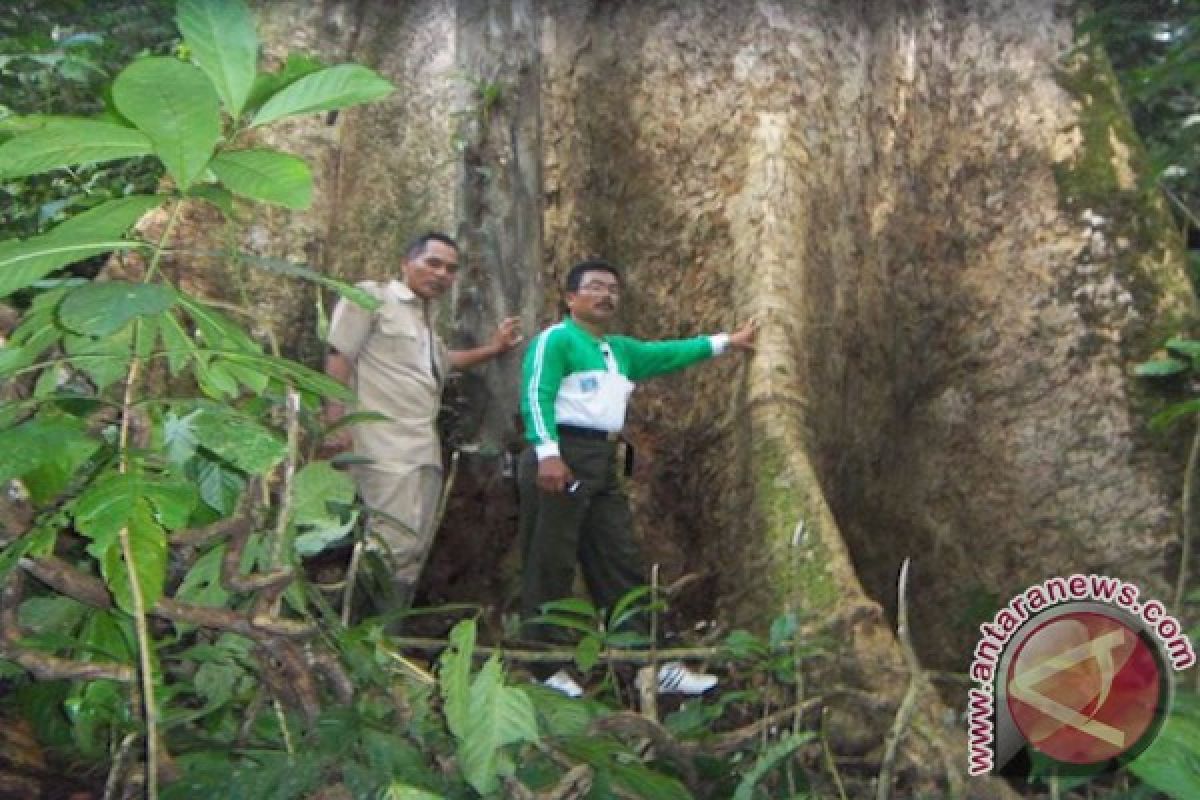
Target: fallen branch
44, 665
90, 590
567, 654
633, 724
241, 520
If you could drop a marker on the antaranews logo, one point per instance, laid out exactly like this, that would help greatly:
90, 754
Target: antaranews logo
1077, 669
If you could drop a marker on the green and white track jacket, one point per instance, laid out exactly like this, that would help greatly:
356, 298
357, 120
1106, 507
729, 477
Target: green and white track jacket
572, 378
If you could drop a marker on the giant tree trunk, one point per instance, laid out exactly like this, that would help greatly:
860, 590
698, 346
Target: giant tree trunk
931, 208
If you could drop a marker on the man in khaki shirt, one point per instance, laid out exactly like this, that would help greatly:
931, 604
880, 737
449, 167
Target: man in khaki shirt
396, 364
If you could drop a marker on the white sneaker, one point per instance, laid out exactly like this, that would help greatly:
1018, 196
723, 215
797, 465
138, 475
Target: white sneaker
675, 678
562, 681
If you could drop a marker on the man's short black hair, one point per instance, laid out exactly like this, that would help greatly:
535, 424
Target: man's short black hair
416, 248
591, 265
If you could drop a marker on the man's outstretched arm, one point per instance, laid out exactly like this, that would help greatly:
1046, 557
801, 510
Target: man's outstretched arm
507, 336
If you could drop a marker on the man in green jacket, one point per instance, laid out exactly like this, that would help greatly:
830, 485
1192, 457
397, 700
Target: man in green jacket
577, 379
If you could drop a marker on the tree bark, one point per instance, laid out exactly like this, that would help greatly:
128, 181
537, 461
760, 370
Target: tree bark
933, 209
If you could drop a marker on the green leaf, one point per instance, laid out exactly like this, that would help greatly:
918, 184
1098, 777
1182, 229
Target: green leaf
104, 360
613, 761
500, 715
221, 37
23, 263
175, 105
177, 345
454, 677
31, 339
317, 539
215, 330
744, 645
108, 220
326, 90
1172, 762
268, 83
636, 601
314, 488
202, 584
40, 540
266, 175
59, 614
214, 195
92, 233
1160, 368
1185, 347
587, 652
768, 761
563, 716
103, 307
219, 486
282, 266
1165, 418
104, 509
237, 439
66, 142
401, 791
254, 380
173, 501
783, 628
148, 546
51, 448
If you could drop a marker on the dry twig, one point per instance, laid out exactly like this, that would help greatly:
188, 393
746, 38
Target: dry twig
909, 703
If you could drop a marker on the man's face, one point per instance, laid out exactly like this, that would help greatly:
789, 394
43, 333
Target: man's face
597, 298
431, 273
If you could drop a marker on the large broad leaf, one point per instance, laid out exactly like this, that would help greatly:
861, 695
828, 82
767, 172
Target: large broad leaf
220, 34
215, 330
92, 233
294, 374
326, 90
454, 677
268, 83
282, 266
500, 715
1172, 762
104, 307
53, 446
220, 487
110, 502
316, 491
148, 547
237, 439
266, 175
104, 360
108, 220
176, 106
67, 142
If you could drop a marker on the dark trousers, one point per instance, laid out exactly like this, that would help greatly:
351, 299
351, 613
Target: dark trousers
592, 525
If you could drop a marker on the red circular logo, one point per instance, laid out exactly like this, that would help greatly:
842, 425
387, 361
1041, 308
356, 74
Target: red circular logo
1084, 688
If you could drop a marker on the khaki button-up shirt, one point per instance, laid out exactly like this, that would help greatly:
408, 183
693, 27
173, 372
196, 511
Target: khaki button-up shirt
399, 371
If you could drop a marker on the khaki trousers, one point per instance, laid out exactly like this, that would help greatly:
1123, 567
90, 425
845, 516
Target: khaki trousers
401, 523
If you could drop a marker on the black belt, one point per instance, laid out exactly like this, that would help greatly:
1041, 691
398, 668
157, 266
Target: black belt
575, 432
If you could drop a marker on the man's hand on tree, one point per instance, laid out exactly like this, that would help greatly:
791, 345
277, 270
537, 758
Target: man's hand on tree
508, 335
743, 338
